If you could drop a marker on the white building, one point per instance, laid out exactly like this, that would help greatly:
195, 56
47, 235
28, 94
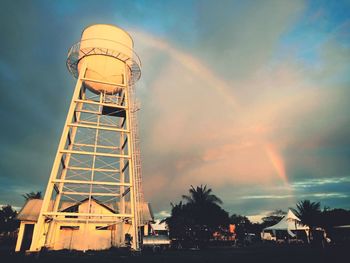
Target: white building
72, 232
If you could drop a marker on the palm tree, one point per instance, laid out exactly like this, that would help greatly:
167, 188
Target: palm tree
32, 195
308, 213
179, 221
201, 195
196, 220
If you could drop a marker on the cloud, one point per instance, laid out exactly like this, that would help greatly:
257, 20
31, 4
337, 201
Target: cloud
320, 182
162, 214
257, 218
226, 98
238, 38
200, 137
266, 197
307, 196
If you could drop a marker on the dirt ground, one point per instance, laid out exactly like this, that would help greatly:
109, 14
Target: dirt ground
256, 254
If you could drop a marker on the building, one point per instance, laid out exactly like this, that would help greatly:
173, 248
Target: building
74, 233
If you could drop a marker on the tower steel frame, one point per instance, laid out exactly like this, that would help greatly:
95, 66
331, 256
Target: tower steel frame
98, 159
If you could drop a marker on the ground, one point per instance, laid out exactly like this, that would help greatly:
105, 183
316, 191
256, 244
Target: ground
256, 254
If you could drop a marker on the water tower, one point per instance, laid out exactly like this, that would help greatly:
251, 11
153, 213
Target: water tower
93, 197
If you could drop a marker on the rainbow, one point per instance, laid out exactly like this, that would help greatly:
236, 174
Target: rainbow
197, 67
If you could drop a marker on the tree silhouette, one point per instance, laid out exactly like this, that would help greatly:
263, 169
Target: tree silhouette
201, 195
334, 217
32, 195
309, 214
243, 226
8, 221
195, 221
180, 221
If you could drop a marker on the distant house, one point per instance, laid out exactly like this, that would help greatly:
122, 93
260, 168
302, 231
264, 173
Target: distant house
158, 227
74, 233
156, 235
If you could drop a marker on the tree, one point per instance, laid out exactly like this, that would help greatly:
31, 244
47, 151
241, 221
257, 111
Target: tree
197, 219
32, 195
201, 195
239, 220
8, 221
334, 217
243, 226
180, 221
309, 214
204, 207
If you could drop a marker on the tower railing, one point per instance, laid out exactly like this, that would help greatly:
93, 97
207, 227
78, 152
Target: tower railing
135, 106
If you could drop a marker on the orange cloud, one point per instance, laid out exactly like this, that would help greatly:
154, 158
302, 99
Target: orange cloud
206, 135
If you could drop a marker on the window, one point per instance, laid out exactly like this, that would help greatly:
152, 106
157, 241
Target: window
103, 227
69, 227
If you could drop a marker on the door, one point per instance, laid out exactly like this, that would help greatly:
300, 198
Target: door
27, 237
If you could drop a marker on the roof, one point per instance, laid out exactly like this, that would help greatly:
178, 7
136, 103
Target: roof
289, 222
147, 212
31, 209
76, 205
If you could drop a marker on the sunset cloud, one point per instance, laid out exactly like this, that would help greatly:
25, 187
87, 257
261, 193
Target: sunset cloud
251, 100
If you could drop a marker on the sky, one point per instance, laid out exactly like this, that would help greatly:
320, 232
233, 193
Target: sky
248, 97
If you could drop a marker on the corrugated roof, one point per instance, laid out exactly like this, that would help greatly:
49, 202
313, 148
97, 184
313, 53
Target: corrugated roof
147, 213
31, 209
77, 204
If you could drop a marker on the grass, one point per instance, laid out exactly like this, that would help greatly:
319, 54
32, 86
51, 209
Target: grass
259, 253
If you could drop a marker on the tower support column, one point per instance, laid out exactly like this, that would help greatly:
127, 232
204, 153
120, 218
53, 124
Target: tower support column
94, 188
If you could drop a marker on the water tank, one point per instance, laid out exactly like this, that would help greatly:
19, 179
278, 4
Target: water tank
107, 51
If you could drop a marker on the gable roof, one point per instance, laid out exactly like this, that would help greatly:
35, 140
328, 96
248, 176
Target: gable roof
31, 209
77, 204
147, 213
